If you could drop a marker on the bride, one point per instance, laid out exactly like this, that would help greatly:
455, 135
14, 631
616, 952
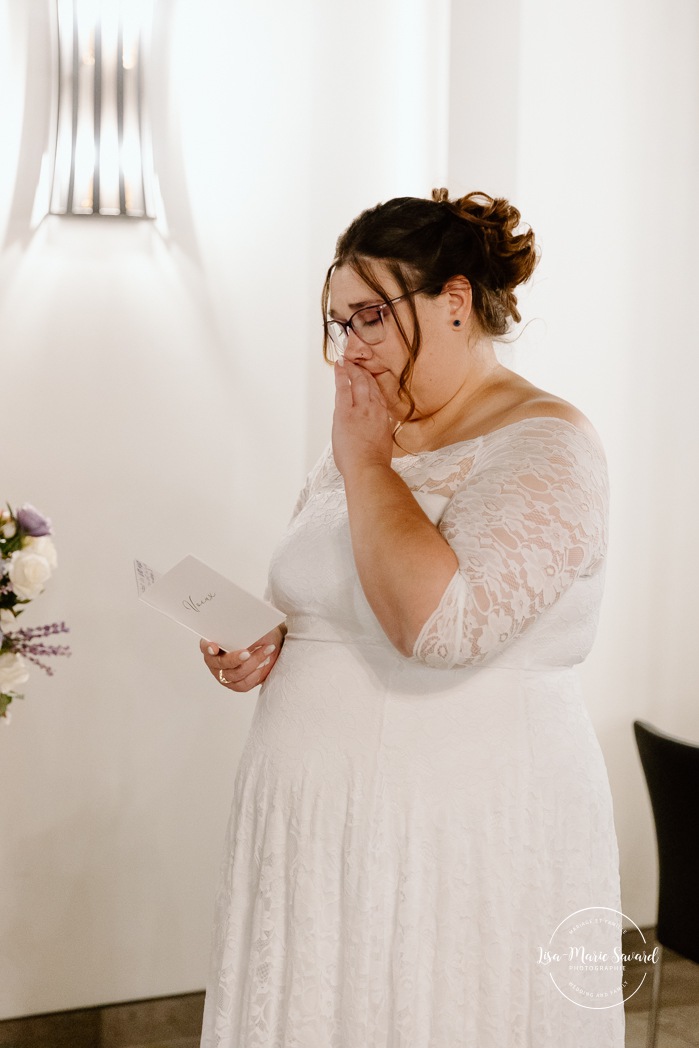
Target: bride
422, 799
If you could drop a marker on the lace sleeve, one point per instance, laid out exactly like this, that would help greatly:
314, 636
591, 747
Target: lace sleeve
529, 520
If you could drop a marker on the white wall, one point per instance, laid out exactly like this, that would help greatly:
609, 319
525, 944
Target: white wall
588, 117
165, 394
608, 169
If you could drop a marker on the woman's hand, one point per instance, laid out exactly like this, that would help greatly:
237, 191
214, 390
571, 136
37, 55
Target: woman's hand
361, 432
243, 670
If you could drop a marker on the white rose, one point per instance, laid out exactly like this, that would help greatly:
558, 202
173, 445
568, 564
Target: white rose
13, 671
9, 529
29, 573
44, 546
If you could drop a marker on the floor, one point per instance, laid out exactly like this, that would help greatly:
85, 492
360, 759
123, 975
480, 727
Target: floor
678, 1018
166, 1022
175, 1022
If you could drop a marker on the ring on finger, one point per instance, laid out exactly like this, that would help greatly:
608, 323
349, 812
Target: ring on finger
222, 678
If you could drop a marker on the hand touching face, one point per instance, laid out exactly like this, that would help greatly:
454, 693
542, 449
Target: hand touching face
383, 361
361, 433
443, 363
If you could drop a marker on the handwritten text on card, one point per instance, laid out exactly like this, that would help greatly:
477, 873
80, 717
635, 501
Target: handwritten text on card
194, 605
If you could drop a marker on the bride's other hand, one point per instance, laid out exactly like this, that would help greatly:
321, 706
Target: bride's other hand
361, 434
243, 670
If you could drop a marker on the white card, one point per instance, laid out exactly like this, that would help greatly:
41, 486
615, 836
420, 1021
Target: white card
207, 603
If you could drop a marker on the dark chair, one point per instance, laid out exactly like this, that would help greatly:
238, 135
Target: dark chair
671, 768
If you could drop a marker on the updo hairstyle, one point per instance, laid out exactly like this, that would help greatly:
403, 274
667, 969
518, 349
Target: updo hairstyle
424, 243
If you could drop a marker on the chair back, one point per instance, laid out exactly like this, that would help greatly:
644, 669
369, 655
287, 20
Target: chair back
671, 768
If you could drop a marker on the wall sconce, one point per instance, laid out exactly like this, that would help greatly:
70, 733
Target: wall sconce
103, 161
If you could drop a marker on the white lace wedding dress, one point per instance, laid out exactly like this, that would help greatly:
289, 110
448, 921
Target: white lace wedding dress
407, 832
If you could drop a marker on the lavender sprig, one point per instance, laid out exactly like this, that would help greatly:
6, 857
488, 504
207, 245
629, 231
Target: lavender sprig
32, 632
41, 649
28, 642
42, 665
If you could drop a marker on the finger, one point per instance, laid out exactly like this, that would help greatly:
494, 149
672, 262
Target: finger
257, 676
227, 659
211, 652
362, 378
343, 402
236, 670
343, 389
360, 383
231, 668
376, 393
261, 673
354, 371
269, 638
211, 648
378, 403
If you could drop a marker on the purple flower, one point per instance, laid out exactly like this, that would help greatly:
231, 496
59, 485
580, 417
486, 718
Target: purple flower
32, 522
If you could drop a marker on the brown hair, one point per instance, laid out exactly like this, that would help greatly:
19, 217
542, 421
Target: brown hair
424, 243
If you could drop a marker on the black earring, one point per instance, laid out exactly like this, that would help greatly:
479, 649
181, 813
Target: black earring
457, 323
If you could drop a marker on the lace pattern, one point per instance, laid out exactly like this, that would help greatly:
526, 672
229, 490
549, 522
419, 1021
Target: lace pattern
406, 832
531, 521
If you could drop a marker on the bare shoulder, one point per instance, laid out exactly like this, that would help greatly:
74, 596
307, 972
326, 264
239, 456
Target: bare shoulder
533, 402
554, 407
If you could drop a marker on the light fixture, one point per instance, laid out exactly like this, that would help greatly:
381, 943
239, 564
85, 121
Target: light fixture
103, 156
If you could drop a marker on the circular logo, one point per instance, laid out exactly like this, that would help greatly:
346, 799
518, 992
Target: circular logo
586, 960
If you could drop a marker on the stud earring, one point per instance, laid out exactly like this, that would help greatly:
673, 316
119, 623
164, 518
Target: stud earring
457, 323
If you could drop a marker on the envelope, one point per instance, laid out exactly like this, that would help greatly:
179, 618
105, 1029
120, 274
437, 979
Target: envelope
207, 603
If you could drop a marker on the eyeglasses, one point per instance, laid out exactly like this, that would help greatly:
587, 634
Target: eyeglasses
367, 324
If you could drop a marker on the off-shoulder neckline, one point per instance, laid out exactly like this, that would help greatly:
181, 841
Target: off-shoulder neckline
501, 429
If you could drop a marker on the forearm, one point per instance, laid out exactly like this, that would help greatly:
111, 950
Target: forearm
404, 563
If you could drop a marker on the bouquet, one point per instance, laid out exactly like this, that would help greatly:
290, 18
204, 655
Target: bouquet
27, 559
